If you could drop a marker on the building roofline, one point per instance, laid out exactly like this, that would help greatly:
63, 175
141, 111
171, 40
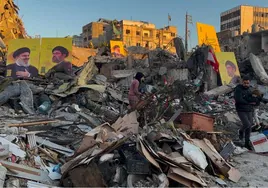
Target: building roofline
245, 5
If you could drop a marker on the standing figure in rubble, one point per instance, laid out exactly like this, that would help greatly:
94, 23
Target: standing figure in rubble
134, 94
21, 68
59, 54
244, 103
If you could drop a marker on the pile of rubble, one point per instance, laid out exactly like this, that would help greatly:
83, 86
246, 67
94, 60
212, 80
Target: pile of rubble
82, 133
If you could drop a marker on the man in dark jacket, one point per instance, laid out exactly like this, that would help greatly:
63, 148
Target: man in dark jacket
244, 103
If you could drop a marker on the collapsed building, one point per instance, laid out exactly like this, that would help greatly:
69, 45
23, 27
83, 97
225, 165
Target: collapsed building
81, 132
56, 130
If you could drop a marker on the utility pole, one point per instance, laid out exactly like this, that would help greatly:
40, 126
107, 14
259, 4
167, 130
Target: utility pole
188, 19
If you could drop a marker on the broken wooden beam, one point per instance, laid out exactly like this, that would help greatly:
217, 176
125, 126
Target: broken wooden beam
32, 123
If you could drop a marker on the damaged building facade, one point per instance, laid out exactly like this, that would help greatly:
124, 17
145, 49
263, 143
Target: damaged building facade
244, 44
132, 33
242, 18
244, 30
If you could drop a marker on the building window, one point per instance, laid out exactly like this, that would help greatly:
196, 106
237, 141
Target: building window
173, 34
138, 33
164, 37
89, 37
230, 15
127, 31
146, 35
157, 35
138, 44
103, 28
85, 39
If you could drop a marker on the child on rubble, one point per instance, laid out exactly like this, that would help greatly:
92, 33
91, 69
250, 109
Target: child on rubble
134, 94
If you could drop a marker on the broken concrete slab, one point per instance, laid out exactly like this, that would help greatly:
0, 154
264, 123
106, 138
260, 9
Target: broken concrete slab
258, 68
56, 147
26, 172
178, 74
93, 122
13, 148
123, 73
221, 90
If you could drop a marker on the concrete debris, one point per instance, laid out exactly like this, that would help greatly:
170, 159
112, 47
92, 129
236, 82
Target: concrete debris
83, 133
258, 68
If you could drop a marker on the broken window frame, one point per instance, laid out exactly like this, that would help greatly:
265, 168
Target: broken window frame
127, 32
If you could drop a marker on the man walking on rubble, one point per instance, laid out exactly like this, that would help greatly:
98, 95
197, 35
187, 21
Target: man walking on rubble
244, 103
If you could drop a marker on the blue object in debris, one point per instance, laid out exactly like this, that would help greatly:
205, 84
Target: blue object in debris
265, 132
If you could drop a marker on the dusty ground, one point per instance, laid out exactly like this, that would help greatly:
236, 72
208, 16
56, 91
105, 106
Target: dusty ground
253, 168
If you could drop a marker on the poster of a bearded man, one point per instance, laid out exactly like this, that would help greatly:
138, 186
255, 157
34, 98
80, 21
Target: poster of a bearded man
21, 68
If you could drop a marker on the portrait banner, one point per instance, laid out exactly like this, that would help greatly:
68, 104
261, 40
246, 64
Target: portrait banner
117, 49
23, 58
207, 35
50, 49
229, 70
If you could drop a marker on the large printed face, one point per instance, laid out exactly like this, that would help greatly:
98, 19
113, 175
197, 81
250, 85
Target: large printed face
230, 70
58, 56
24, 57
117, 50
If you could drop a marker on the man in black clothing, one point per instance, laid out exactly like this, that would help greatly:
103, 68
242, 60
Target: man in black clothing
244, 103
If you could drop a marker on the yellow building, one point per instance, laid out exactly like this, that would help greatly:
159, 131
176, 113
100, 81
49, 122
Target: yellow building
132, 33
245, 18
94, 34
145, 34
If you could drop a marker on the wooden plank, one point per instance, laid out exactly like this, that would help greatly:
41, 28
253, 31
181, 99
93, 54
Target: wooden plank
16, 168
32, 123
26, 172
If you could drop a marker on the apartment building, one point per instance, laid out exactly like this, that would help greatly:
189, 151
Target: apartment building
244, 18
147, 35
132, 33
96, 34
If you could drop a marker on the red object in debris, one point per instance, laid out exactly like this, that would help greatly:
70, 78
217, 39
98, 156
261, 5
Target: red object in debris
259, 141
167, 101
13, 159
212, 60
197, 121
